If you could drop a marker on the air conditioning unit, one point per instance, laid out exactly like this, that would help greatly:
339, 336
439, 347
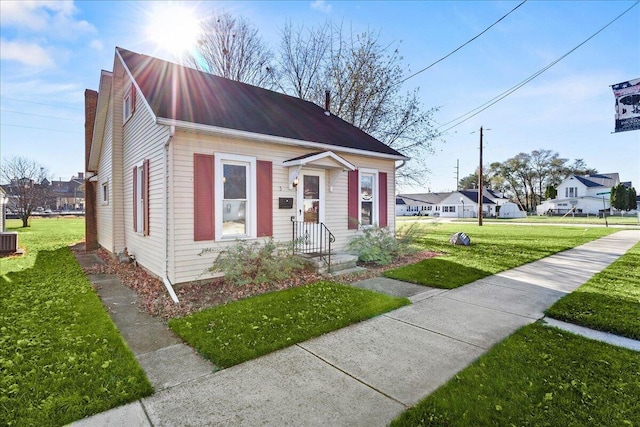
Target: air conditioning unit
8, 242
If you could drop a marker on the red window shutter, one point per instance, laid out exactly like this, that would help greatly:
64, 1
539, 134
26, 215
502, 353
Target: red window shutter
265, 198
353, 199
133, 98
135, 198
382, 199
203, 197
145, 196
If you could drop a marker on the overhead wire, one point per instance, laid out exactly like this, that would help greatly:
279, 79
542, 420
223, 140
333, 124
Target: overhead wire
461, 46
39, 103
511, 90
38, 128
40, 115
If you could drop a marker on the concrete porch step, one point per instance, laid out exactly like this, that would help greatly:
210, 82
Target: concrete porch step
340, 261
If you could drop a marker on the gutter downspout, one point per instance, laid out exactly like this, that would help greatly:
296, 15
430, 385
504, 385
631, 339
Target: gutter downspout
165, 209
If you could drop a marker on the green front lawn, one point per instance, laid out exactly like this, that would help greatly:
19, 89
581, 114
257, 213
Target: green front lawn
246, 329
493, 249
539, 376
61, 357
609, 302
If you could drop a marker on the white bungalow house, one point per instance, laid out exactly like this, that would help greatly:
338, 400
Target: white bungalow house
3, 208
581, 194
456, 204
181, 164
419, 204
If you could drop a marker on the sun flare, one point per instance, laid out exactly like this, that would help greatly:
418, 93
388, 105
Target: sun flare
174, 28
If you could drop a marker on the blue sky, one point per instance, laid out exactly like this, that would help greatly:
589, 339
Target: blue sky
51, 51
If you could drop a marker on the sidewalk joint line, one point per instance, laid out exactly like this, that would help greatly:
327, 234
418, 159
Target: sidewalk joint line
144, 410
493, 309
434, 332
351, 376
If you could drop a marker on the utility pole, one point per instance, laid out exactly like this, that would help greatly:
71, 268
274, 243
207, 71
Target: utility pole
480, 184
457, 174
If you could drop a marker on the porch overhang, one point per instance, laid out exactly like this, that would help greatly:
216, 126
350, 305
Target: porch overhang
327, 160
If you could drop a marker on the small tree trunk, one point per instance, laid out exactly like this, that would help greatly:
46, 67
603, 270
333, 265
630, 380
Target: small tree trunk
25, 221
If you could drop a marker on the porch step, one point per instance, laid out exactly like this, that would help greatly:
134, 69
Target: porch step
339, 262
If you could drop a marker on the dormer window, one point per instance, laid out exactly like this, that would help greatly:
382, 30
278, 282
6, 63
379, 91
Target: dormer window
128, 103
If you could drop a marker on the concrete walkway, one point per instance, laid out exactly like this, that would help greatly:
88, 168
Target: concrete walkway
368, 373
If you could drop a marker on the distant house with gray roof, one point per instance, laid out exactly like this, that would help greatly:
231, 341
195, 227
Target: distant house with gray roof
454, 204
582, 194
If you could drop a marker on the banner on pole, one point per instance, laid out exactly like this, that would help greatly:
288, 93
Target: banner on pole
627, 96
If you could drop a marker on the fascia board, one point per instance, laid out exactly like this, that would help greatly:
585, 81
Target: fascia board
232, 133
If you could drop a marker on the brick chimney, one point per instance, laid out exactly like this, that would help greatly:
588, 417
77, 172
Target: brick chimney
327, 102
90, 196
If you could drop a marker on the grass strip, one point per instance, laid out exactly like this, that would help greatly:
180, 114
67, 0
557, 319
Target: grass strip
61, 357
250, 328
539, 376
609, 301
494, 248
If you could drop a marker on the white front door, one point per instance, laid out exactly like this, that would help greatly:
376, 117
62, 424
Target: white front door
310, 209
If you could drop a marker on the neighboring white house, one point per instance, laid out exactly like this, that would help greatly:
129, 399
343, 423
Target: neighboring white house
456, 204
581, 194
181, 164
3, 209
419, 204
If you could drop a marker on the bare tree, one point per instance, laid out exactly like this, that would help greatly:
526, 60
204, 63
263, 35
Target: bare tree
302, 56
363, 77
231, 47
26, 185
532, 177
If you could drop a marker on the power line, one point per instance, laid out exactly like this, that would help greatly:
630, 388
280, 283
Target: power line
461, 46
33, 127
41, 115
38, 103
509, 91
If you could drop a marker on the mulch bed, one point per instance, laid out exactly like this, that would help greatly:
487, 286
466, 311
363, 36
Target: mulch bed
155, 300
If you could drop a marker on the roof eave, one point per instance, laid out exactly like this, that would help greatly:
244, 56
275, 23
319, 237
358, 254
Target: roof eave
99, 125
233, 133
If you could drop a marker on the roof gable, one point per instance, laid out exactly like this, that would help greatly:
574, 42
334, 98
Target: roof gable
587, 182
186, 95
607, 180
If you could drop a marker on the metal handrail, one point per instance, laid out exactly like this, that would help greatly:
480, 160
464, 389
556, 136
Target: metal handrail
312, 238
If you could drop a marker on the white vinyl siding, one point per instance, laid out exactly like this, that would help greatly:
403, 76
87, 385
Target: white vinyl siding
104, 212
187, 265
144, 140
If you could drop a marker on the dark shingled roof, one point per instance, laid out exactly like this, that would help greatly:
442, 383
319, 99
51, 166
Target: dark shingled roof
185, 94
473, 195
586, 181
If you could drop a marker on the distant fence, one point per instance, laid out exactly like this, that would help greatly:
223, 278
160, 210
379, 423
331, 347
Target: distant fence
45, 215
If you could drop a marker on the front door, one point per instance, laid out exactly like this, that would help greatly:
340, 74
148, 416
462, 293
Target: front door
310, 213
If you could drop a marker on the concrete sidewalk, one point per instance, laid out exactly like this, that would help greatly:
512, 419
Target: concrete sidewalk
367, 373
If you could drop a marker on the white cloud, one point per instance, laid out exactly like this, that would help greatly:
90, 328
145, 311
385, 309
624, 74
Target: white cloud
53, 18
25, 53
321, 5
96, 44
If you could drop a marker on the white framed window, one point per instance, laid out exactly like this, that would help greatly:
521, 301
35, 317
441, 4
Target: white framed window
236, 196
128, 103
105, 193
139, 198
369, 198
